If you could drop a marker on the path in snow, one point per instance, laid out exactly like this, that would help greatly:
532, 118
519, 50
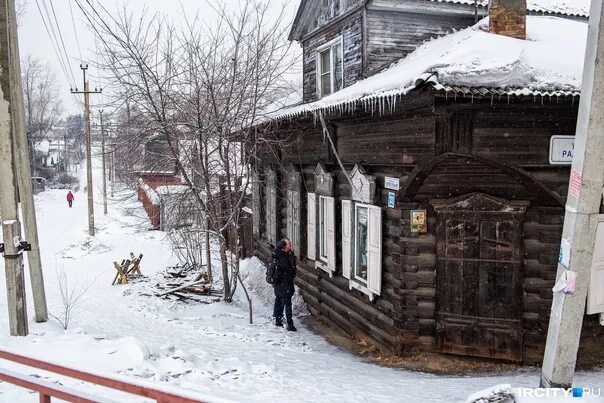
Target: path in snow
210, 349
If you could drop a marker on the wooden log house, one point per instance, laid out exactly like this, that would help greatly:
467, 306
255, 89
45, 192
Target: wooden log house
442, 232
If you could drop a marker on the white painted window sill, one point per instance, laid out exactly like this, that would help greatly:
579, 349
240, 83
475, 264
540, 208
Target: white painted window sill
323, 266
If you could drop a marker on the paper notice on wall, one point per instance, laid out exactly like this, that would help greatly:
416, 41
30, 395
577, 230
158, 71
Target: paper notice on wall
571, 282
564, 256
575, 184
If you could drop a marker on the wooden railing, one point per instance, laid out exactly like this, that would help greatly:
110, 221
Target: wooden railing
47, 389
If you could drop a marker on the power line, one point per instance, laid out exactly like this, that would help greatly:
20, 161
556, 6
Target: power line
75, 31
54, 46
60, 34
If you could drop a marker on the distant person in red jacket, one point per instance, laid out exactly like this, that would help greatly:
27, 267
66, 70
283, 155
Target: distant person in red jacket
70, 198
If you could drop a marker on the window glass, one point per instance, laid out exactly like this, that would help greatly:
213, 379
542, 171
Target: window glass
325, 70
337, 67
360, 271
322, 227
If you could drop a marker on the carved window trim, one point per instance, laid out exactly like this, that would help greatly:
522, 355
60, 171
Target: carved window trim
323, 181
256, 203
362, 197
293, 215
271, 206
363, 186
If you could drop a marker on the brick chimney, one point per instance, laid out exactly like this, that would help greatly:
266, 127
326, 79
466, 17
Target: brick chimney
508, 17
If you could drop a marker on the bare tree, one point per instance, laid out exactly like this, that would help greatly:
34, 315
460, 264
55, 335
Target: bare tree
71, 298
20, 8
202, 90
41, 99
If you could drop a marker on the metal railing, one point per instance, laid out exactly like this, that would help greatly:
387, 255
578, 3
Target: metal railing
47, 390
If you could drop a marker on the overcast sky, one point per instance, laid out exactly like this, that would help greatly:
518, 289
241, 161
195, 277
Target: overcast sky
34, 39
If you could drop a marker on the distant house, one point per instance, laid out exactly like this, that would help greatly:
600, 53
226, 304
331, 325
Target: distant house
442, 231
160, 186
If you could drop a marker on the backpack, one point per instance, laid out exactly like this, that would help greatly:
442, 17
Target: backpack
271, 271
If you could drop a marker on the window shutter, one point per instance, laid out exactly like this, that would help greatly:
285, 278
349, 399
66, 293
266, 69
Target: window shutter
271, 216
331, 233
256, 205
295, 237
346, 237
289, 214
374, 250
311, 227
595, 298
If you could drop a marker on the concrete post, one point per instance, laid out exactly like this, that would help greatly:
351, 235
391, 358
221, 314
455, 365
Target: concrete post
23, 171
582, 208
11, 228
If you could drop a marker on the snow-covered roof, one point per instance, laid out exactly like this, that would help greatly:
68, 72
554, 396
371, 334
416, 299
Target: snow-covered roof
549, 61
172, 189
151, 194
289, 100
563, 7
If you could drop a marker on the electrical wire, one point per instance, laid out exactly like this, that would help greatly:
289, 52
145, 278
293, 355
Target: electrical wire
60, 35
75, 32
71, 80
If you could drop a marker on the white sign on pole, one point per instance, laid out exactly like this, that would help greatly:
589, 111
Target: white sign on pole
595, 293
561, 150
391, 183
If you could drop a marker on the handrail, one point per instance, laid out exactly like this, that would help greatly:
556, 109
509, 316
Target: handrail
47, 390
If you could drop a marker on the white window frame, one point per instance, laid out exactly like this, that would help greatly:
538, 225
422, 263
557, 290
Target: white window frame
372, 286
329, 45
322, 235
353, 273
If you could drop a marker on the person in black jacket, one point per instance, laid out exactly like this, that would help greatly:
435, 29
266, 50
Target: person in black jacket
285, 272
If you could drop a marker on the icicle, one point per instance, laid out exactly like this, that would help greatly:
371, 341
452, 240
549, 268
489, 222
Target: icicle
491, 100
394, 104
508, 99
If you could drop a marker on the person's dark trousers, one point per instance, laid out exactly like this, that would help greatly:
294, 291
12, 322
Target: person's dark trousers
280, 303
70, 202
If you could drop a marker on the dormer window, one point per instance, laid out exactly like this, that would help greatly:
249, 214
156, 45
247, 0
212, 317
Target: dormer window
330, 67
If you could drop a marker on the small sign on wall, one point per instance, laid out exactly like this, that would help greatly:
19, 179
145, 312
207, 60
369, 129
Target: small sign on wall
561, 150
391, 183
419, 221
391, 199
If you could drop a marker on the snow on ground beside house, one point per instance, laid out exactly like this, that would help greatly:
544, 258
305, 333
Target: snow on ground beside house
208, 350
551, 59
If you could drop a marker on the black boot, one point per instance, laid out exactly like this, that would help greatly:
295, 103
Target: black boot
291, 327
279, 322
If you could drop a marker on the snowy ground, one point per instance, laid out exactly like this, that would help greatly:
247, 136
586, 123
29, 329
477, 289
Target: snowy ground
208, 350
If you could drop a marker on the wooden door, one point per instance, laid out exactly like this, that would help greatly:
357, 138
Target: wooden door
479, 284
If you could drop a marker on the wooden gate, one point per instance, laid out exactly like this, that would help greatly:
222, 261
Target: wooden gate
479, 276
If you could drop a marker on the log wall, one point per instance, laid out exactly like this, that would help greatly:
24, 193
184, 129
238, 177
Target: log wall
402, 320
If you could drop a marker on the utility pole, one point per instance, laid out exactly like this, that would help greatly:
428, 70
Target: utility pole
112, 169
88, 140
104, 171
11, 227
581, 219
65, 161
23, 169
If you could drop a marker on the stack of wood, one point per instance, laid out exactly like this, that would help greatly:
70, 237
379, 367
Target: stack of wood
128, 269
198, 287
